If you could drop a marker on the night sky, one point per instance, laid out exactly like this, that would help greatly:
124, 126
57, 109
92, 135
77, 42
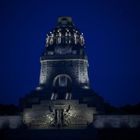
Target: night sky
112, 33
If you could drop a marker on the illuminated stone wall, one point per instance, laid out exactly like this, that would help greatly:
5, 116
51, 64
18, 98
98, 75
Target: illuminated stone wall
11, 122
117, 121
99, 121
75, 68
75, 115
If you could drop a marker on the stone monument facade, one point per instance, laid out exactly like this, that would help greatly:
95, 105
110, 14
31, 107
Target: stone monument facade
64, 98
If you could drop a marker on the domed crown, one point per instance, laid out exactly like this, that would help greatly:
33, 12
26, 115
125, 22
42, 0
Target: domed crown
65, 34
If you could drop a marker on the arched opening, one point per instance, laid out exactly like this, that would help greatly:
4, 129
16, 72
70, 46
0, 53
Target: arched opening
62, 80
62, 86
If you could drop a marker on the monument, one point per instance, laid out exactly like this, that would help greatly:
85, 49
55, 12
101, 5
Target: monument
64, 98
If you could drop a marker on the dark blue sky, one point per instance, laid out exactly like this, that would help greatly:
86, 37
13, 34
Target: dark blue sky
112, 32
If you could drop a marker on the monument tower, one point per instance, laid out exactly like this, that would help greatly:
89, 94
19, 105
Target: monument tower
64, 97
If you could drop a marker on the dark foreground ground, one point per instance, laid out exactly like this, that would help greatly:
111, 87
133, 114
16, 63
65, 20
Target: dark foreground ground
88, 134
